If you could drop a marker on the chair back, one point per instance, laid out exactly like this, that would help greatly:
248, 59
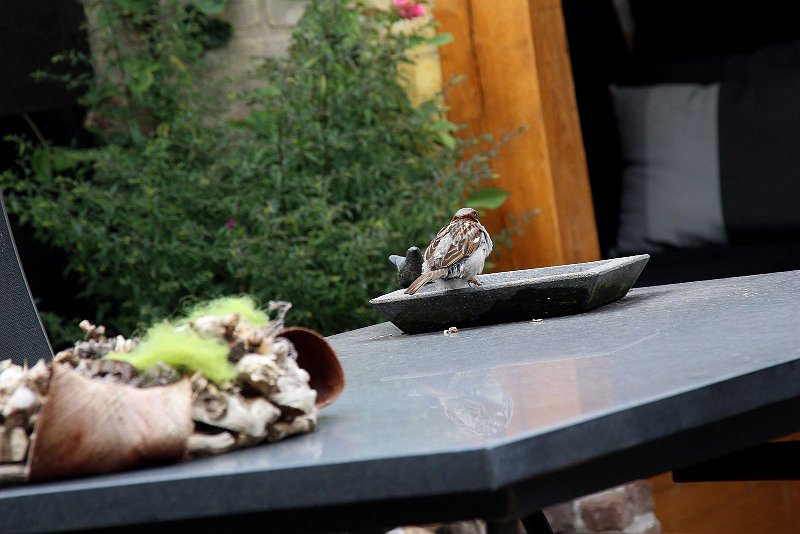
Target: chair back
22, 336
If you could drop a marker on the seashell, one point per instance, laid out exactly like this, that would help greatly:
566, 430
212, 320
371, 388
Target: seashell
319, 360
89, 427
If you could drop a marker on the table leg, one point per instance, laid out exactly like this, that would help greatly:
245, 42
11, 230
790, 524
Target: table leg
536, 523
502, 526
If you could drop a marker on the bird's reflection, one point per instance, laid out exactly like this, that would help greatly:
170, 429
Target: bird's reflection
473, 401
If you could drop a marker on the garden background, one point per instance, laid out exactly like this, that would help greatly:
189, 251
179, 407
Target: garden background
204, 168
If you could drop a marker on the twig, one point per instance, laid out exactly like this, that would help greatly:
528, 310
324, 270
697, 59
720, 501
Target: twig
33, 126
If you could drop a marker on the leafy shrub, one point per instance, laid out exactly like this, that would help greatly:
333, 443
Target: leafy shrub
303, 200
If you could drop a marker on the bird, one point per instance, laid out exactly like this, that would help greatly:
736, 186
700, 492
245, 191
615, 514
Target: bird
459, 250
409, 267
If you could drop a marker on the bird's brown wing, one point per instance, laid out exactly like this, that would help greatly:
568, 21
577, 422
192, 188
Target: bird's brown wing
464, 237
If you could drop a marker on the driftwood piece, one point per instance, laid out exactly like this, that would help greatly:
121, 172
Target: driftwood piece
11, 377
38, 377
95, 345
298, 425
207, 444
278, 377
221, 327
91, 427
293, 394
92, 331
13, 444
233, 412
106, 370
84, 415
12, 474
20, 406
259, 372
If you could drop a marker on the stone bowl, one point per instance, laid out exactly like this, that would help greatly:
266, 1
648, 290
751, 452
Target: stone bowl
512, 295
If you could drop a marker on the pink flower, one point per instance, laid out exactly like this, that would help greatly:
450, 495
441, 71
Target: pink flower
408, 9
231, 223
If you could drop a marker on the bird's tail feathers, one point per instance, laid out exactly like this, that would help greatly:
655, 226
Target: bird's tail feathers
424, 279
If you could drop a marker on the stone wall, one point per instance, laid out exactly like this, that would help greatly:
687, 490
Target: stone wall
263, 28
626, 509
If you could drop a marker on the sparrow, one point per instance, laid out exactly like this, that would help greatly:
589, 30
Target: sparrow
409, 267
458, 251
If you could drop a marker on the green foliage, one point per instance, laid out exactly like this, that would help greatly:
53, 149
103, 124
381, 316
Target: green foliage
303, 200
185, 350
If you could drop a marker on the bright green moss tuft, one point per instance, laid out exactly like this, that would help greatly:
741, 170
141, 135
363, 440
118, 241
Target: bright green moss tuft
244, 306
186, 351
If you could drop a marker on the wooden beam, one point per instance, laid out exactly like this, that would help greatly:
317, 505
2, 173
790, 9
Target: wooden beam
514, 57
728, 507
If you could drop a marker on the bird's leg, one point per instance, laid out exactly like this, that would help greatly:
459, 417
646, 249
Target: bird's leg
474, 282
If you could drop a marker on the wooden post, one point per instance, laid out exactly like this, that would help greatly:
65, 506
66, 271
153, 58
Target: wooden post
514, 57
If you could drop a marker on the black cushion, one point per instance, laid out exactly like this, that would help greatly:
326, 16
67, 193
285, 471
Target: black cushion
680, 30
759, 144
686, 265
599, 56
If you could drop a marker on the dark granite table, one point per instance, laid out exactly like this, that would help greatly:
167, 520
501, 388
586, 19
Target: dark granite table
494, 422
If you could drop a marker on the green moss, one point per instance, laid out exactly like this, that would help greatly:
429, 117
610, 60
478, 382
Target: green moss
186, 351
244, 306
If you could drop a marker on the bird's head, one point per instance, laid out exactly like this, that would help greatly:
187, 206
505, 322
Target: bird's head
466, 213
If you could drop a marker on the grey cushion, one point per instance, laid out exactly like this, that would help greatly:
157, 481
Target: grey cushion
671, 180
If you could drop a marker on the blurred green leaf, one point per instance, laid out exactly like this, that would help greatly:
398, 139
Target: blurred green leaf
40, 163
448, 140
135, 8
487, 198
441, 39
210, 7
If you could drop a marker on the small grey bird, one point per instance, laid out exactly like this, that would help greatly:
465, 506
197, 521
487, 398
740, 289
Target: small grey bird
408, 268
459, 250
